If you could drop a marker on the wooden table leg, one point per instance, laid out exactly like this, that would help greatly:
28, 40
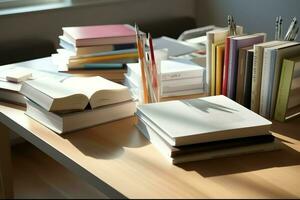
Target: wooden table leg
6, 178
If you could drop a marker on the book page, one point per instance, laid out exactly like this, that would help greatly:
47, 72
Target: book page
91, 85
53, 88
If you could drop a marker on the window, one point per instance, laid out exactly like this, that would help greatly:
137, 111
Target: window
19, 6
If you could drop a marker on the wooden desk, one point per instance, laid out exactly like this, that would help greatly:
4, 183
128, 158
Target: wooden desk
118, 160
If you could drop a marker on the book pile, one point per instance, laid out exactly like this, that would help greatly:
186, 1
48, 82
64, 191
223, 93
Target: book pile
76, 102
12, 76
179, 79
204, 128
248, 70
101, 50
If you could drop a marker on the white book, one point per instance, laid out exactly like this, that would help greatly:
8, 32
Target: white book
62, 123
170, 70
180, 69
136, 88
12, 97
257, 72
202, 120
175, 47
211, 152
74, 93
273, 58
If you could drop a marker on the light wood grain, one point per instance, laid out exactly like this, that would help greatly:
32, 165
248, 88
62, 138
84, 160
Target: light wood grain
37, 176
6, 181
118, 160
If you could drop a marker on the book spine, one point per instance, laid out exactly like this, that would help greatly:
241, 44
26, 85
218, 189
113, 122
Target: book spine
240, 76
213, 70
283, 90
248, 79
255, 93
225, 68
208, 61
219, 68
182, 75
231, 70
266, 85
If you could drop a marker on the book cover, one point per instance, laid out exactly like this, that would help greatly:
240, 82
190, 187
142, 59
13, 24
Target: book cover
287, 52
219, 67
248, 79
225, 68
241, 68
288, 74
100, 34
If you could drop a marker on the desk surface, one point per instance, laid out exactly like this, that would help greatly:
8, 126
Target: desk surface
117, 159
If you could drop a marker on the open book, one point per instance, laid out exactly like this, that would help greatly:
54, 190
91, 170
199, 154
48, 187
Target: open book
74, 93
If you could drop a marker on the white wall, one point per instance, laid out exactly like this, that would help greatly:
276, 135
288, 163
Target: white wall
254, 15
47, 24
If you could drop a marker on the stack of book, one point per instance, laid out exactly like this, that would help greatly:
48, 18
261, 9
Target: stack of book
12, 76
76, 102
248, 70
97, 50
204, 128
179, 79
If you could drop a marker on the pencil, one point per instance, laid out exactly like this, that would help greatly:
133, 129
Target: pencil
153, 68
143, 63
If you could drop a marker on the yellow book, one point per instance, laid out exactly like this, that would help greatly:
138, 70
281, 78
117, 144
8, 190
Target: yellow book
103, 58
219, 67
213, 67
213, 70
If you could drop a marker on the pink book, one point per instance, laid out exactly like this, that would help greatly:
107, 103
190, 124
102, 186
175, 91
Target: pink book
100, 34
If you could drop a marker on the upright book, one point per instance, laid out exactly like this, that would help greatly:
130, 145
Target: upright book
235, 44
248, 79
241, 72
257, 72
273, 58
288, 98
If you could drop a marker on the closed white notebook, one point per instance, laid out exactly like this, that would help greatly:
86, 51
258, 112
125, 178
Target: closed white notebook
205, 119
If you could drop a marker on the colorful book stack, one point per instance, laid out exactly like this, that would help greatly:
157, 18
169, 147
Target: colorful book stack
97, 50
204, 128
179, 79
76, 102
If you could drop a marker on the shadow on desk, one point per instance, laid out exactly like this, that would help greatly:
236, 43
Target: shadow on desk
244, 163
288, 133
109, 140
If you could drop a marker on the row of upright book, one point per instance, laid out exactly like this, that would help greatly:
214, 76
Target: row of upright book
251, 71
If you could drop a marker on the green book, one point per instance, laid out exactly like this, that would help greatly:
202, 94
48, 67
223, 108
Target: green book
288, 99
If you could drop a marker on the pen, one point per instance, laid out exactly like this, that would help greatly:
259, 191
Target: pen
280, 28
153, 68
229, 25
294, 34
142, 62
276, 29
290, 29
